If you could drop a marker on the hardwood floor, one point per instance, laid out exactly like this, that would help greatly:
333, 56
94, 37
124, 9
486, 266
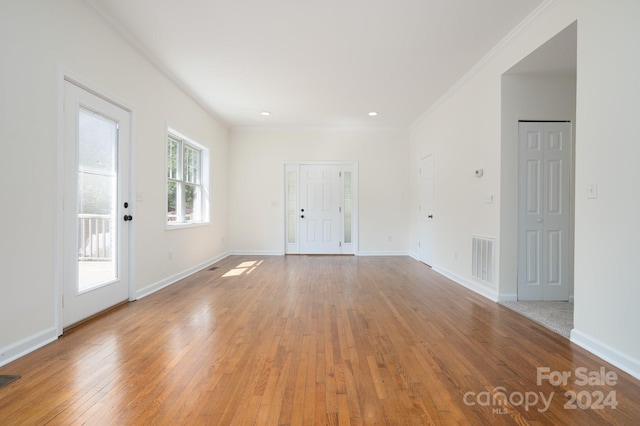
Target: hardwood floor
301, 340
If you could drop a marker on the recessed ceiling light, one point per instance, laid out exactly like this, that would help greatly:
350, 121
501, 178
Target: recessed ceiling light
265, 113
373, 114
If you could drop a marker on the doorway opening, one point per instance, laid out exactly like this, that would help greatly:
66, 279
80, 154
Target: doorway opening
426, 229
96, 220
541, 87
321, 208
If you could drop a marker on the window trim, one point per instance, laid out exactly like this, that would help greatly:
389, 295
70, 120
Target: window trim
176, 135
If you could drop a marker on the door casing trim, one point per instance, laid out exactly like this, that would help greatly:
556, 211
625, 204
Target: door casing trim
288, 165
67, 75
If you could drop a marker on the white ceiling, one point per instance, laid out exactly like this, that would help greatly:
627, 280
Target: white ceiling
316, 63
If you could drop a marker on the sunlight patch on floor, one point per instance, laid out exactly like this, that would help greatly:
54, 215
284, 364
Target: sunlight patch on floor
243, 268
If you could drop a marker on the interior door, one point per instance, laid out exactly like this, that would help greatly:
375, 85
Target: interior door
544, 210
425, 242
319, 207
96, 208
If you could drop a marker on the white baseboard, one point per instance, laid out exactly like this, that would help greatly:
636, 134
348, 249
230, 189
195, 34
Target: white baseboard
607, 353
255, 253
143, 292
508, 297
25, 346
382, 253
414, 256
473, 286
278, 253
514, 298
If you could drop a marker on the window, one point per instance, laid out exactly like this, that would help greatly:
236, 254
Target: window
292, 206
348, 207
187, 181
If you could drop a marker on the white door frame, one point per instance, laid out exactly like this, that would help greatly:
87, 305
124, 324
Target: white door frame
294, 167
425, 225
65, 75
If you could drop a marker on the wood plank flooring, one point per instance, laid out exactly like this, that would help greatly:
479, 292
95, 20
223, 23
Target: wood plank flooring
302, 340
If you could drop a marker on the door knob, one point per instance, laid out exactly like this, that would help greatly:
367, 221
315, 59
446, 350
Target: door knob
430, 216
128, 217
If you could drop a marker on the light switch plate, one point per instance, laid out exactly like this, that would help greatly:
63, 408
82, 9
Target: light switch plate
592, 191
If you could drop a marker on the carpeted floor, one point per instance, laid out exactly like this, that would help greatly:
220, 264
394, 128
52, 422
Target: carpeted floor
556, 316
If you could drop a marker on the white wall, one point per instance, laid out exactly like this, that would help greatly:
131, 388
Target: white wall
463, 134
257, 160
41, 38
464, 131
607, 290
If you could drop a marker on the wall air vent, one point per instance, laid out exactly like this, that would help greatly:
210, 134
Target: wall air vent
483, 259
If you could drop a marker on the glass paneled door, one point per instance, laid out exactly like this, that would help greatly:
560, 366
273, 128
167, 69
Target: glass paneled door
96, 209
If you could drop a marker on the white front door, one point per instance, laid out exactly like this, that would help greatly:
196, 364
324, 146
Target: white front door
544, 210
96, 206
425, 241
319, 209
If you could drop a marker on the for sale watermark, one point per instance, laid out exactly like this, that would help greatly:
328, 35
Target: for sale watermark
500, 400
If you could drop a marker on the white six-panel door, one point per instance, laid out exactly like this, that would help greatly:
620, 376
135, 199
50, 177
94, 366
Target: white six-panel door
319, 209
544, 210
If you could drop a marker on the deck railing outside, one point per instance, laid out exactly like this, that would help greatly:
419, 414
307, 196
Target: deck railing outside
95, 237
